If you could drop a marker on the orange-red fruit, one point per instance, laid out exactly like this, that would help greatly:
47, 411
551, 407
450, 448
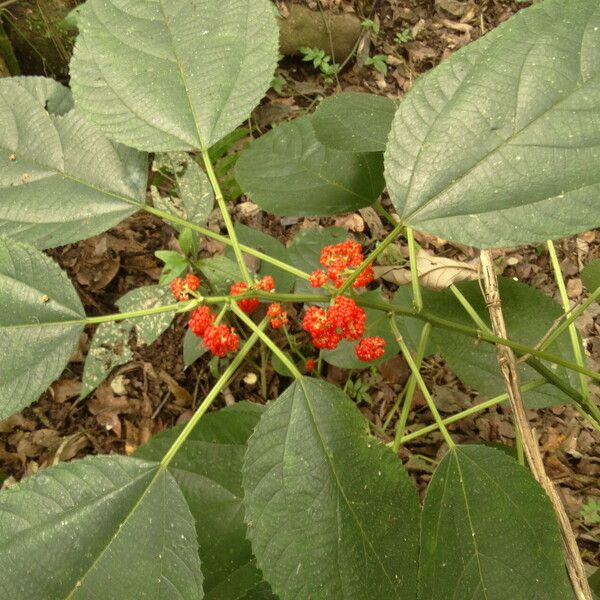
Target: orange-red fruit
317, 278
200, 319
370, 348
278, 317
221, 340
248, 305
266, 284
310, 365
181, 288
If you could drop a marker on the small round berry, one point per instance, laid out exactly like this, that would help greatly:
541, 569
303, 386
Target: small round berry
200, 319
310, 365
278, 317
182, 288
266, 284
317, 278
221, 340
248, 305
370, 348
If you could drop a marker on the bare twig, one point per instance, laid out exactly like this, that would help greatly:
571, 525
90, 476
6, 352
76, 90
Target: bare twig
508, 368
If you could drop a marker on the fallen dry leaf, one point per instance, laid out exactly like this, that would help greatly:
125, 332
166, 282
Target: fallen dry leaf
435, 272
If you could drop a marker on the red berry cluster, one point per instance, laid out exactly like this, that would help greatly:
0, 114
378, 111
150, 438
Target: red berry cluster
200, 320
343, 320
277, 317
219, 339
249, 305
370, 348
340, 261
182, 287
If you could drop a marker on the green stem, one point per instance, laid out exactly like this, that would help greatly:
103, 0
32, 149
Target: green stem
420, 382
414, 271
212, 395
411, 386
585, 392
572, 316
391, 237
469, 411
266, 340
171, 218
476, 333
385, 214
226, 216
470, 309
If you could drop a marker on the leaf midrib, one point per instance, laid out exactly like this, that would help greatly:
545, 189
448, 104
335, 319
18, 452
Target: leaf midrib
339, 485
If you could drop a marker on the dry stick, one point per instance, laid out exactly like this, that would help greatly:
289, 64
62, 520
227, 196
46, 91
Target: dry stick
508, 368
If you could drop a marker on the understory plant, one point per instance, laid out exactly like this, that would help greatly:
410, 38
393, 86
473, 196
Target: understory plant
298, 499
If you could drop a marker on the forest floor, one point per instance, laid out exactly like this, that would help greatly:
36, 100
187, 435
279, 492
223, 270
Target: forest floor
154, 391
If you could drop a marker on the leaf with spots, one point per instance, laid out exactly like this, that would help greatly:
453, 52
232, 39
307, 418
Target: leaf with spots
110, 345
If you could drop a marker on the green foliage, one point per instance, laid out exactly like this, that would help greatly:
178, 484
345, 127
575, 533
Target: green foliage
40, 323
403, 36
486, 152
591, 275
61, 180
288, 172
590, 511
379, 63
496, 146
354, 122
327, 504
371, 25
320, 60
209, 470
485, 517
86, 541
161, 75
527, 313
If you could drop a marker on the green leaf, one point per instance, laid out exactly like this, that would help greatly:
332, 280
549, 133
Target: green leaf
591, 275
284, 281
57, 98
377, 324
488, 532
208, 468
220, 271
109, 349
499, 145
172, 75
102, 527
528, 313
110, 345
61, 180
196, 198
331, 511
193, 348
40, 323
288, 172
354, 122
594, 581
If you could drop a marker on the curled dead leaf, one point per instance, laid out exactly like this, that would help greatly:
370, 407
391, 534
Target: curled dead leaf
435, 272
